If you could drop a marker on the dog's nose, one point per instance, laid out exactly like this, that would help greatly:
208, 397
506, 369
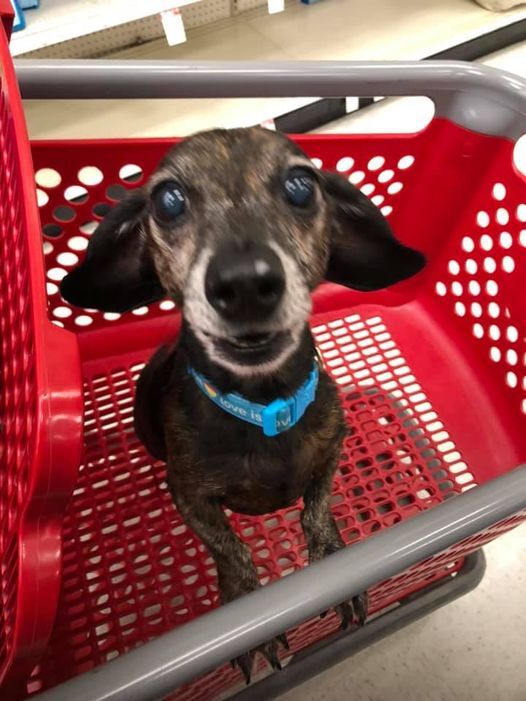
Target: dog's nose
245, 284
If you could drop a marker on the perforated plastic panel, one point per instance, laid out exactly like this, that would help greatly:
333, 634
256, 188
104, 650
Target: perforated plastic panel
483, 280
32, 496
18, 396
130, 34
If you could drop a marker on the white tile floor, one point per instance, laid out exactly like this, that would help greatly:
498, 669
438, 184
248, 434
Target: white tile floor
474, 648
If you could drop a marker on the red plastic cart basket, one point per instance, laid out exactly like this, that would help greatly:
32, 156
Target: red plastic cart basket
40, 405
432, 376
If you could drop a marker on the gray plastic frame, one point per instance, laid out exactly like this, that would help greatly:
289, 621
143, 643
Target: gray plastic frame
474, 96
477, 97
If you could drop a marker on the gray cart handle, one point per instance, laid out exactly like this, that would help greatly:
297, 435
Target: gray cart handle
477, 97
155, 669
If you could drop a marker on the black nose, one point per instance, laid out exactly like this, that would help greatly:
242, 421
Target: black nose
245, 284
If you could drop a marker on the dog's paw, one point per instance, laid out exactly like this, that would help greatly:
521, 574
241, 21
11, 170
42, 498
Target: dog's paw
269, 651
353, 611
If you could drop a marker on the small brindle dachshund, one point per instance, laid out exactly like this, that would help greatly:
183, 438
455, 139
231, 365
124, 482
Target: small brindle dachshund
237, 227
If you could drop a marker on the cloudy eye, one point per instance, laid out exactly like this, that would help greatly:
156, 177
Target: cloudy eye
168, 202
299, 187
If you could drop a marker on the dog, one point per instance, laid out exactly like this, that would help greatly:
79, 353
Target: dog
238, 228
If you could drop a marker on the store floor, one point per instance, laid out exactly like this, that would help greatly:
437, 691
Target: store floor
472, 649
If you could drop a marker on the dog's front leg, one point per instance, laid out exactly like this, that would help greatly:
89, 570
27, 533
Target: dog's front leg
323, 537
236, 573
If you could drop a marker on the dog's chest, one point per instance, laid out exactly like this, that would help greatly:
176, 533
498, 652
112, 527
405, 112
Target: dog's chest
257, 479
214, 454
254, 474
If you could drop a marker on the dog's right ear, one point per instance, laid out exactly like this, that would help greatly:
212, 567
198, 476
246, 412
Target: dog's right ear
117, 273
364, 253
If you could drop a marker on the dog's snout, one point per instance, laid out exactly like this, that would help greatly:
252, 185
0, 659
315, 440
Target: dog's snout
245, 284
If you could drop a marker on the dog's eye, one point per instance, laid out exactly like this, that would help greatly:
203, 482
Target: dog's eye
168, 202
299, 187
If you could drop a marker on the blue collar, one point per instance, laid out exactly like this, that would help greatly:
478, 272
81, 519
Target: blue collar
273, 418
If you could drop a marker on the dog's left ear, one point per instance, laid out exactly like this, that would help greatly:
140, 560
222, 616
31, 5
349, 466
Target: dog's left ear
117, 273
364, 253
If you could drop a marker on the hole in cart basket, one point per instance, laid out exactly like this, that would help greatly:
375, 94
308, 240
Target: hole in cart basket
376, 163
90, 175
345, 164
88, 227
502, 216
130, 173
499, 192
386, 175
67, 259
356, 177
64, 213
521, 213
56, 274
116, 192
76, 194
42, 197
406, 162
52, 231
48, 177
101, 209
77, 243
395, 188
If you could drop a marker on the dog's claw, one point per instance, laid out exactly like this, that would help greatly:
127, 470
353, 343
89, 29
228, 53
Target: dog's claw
346, 613
268, 650
244, 662
361, 605
272, 658
284, 641
353, 611
270, 653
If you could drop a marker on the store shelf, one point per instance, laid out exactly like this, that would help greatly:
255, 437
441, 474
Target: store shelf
380, 29
332, 29
57, 21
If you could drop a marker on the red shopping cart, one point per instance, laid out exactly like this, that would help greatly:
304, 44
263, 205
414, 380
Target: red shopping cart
432, 376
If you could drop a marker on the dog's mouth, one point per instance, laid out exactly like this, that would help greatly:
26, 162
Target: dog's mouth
252, 347
251, 341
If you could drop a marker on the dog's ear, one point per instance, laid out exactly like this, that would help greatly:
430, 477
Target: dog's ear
364, 253
117, 273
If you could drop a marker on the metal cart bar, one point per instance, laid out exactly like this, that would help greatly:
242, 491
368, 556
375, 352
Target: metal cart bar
323, 655
477, 97
155, 669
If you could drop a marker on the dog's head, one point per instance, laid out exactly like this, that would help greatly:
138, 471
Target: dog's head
238, 227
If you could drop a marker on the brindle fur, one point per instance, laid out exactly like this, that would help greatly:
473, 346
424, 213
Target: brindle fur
216, 461
234, 184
